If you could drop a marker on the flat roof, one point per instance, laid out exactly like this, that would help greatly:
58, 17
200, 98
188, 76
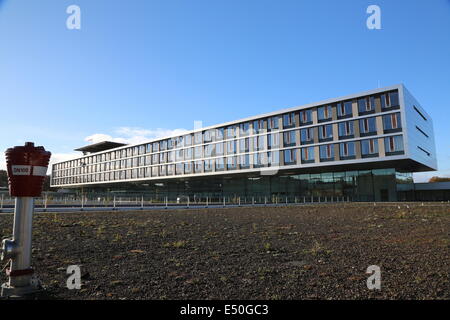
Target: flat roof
101, 146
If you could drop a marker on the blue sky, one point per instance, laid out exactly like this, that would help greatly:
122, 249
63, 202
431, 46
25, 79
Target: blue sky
143, 68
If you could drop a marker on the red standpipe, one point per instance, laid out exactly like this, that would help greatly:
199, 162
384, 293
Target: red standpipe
27, 167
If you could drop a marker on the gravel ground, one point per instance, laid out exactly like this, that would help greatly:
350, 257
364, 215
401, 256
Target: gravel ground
302, 252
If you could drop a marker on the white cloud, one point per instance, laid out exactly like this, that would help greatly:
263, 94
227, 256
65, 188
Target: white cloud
130, 135
425, 176
127, 135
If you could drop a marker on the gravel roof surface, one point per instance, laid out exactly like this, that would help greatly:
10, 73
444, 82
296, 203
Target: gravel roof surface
298, 252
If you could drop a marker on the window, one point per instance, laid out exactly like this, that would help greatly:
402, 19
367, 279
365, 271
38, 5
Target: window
231, 147
366, 105
244, 161
326, 152
324, 113
420, 113
307, 155
391, 122
289, 120
162, 157
155, 171
389, 100
367, 126
258, 126
171, 156
188, 140
162, 170
273, 140
155, 158
170, 143
347, 150
198, 167
198, 138
421, 131
326, 132
306, 117
209, 150
198, 152
179, 168
258, 143
344, 109
231, 163
244, 145
163, 145
208, 136
155, 146
273, 123
289, 156
219, 134
188, 153
179, 142
180, 155
148, 148
231, 132
273, 158
393, 144
424, 151
188, 167
208, 165
345, 129
306, 135
170, 169
258, 159
289, 138
219, 148
244, 129
220, 164
369, 147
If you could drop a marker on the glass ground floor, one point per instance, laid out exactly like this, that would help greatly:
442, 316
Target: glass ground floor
365, 185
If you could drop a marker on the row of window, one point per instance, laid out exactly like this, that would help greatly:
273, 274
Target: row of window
367, 127
369, 148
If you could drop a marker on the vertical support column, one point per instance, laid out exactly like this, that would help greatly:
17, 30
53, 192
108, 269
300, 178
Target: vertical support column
19, 249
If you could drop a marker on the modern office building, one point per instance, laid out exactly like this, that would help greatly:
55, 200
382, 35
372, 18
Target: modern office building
359, 146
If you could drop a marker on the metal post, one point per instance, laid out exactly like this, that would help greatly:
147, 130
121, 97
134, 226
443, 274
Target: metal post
142, 202
166, 203
45, 203
1, 203
82, 202
286, 200
18, 249
188, 202
224, 203
265, 200
114, 202
207, 202
253, 200
239, 201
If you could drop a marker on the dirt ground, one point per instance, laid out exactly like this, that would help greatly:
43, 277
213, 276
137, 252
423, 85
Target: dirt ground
298, 252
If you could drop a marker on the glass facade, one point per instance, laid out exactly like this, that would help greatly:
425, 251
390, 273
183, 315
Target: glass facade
366, 185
